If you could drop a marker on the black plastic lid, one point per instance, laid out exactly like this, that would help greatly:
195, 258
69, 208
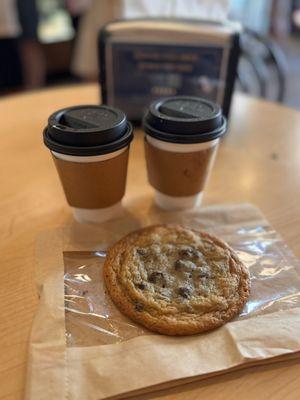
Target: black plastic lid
87, 130
184, 119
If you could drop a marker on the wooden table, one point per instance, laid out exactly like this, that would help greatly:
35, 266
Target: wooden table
258, 162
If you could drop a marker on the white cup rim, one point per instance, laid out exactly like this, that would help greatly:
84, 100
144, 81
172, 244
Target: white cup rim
181, 147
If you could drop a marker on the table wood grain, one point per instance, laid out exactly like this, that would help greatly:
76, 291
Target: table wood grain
258, 162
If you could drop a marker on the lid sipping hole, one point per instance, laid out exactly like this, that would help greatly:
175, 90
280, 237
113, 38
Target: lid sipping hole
186, 109
72, 121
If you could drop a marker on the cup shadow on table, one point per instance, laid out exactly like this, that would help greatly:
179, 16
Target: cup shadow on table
92, 235
137, 213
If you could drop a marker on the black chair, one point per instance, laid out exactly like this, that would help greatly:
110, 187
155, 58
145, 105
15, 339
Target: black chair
262, 67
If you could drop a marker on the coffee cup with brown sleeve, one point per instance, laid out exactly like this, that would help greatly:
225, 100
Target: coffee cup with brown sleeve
181, 139
90, 147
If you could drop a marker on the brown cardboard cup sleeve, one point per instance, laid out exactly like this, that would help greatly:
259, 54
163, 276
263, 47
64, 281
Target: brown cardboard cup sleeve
178, 174
94, 184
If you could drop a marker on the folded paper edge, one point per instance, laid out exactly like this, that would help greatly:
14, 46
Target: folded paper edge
47, 347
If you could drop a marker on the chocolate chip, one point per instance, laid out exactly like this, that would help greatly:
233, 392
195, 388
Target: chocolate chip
184, 252
141, 285
142, 252
83, 292
184, 292
169, 251
204, 273
189, 253
139, 307
156, 277
179, 265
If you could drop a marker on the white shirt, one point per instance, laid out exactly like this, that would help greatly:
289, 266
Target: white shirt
196, 9
85, 62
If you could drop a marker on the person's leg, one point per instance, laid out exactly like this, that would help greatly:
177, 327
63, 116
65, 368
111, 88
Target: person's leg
281, 20
33, 63
31, 52
10, 68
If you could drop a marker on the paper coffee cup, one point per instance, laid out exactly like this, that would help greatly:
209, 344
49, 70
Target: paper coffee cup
182, 136
90, 146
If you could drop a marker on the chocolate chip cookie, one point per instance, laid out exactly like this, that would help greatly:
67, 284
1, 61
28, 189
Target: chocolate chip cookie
175, 280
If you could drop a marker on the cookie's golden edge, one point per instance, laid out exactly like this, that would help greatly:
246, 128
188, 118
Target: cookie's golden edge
165, 325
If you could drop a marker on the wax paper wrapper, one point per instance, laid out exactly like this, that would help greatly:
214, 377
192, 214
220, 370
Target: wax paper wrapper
82, 347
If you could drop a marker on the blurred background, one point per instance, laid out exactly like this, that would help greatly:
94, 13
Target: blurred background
54, 42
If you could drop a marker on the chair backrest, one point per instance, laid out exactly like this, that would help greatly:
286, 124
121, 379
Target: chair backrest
262, 67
